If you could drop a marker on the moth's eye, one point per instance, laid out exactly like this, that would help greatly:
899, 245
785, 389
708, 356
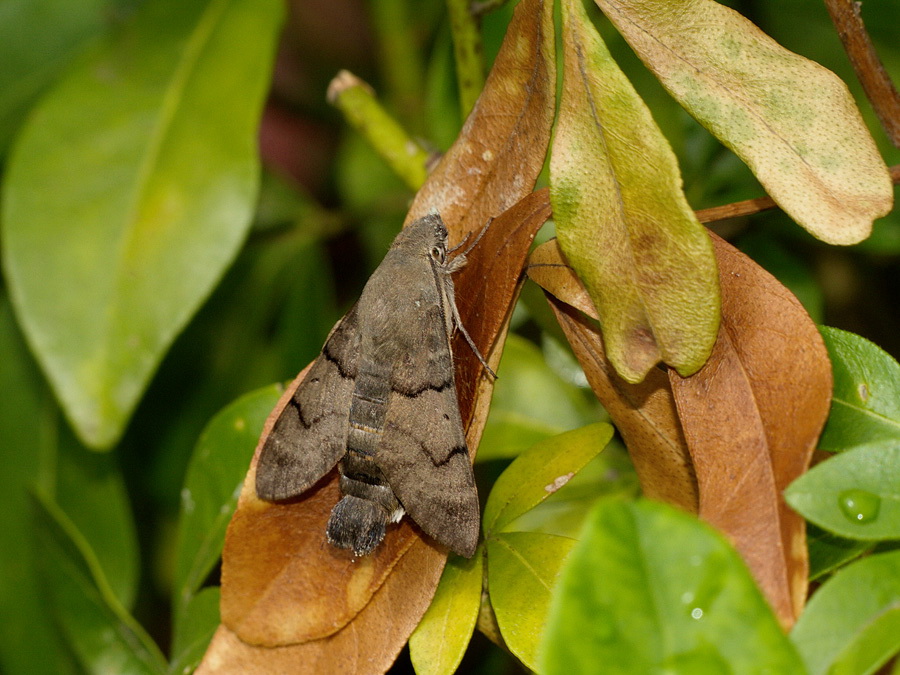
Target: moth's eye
437, 253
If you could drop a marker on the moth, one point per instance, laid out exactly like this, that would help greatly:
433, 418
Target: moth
380, 403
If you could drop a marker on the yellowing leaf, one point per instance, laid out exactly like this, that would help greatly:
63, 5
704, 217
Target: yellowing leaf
439, 642
622, 219
792, 121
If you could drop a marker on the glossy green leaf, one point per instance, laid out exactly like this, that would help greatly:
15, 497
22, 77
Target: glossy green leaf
28, 423
440, 640
789, 119
622, 219
194, 629
37, 38
129, 192
539, 472
530, 403
523, 568
865, 407
648, 589
609, 474
855, 494
852, 623
827, 552
212, 485
97, 628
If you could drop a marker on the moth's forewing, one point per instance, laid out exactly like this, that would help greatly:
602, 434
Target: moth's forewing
310, 435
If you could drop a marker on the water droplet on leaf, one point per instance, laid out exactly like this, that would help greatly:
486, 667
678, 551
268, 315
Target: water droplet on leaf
859, 506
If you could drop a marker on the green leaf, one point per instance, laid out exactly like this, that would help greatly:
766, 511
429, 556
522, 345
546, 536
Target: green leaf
98, 629
530, 403
440, 640
789, 119
852, 623
651, 589
622, 218
828, 552
150, 147
539, 472
29, 421
523, 568
865, 407
211, 488
611, 473
194, 629
855, 494
90, 490
37, 39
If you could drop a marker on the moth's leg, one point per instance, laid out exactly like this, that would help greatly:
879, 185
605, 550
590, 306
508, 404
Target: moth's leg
473, 244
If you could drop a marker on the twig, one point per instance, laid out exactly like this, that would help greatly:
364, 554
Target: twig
356, 100
750, 206
869, 70
735, 209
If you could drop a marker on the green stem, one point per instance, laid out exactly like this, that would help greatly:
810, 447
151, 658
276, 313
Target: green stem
400, 58
356, 100
468, 53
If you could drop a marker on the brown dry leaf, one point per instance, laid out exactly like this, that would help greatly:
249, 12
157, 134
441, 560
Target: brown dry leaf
752, 417
283, 584
369, 644
501, 149
643, 413
749, 419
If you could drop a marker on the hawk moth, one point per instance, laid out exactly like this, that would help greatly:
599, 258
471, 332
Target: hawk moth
380, 403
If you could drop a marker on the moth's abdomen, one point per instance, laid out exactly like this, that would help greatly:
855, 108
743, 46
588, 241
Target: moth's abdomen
359, 520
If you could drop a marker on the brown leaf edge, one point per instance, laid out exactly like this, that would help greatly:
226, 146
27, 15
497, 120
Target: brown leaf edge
748, 420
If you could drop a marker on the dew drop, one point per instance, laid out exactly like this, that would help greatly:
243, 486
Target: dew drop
859, 506
863, 391
696, 613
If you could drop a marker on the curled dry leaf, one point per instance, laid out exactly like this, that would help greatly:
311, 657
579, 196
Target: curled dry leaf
622, 217
286, 593
792, 121
749, 419
644, 413
752, 417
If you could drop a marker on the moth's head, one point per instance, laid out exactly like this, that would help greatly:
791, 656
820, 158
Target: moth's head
426, 236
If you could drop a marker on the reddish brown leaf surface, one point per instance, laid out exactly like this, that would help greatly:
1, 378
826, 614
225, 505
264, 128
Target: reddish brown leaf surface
288, 596
749, 419
643, 413
752, 417
501, 149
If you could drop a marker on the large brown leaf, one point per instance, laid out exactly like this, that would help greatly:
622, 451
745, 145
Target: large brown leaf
287, 594
752, 417
749, 419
